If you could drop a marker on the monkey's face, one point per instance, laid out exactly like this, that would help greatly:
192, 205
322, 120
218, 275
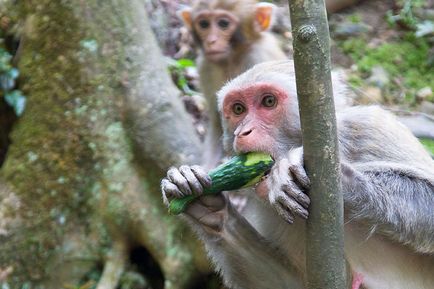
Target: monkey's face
215, 30
257, 117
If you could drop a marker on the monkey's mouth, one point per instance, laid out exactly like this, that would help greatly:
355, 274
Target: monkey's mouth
216, 55
265, 175
215, 52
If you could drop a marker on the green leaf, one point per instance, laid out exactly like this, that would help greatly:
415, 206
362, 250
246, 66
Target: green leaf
16, 100
184, 62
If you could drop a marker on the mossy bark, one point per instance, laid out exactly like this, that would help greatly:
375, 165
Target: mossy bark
86, 157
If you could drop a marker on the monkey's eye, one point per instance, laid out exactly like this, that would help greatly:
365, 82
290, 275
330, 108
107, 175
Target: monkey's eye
204, 24
223, 23
238, 108
269, 100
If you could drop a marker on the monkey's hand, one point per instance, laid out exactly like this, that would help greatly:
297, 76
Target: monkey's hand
209, 211
287, 184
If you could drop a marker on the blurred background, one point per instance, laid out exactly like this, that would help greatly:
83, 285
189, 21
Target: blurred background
99, 98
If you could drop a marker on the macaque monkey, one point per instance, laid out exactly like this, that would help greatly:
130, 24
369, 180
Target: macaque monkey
232, 36
387, 183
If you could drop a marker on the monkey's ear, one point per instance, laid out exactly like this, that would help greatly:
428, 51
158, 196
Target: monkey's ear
264, 15
185, 15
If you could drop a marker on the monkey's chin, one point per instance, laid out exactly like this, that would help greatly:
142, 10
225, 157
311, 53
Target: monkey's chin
217, 56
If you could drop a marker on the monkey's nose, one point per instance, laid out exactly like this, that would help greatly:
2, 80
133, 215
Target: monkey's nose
212, 39
247, 132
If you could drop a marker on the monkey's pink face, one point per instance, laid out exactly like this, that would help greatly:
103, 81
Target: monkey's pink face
254, 115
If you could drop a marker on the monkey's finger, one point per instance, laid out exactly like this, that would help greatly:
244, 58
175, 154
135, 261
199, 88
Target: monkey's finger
292, 206
178, 179
213, 202
292, 190
194, 183
299, 174
205, 205
196, 210
213, 221
296, 167
202, 176
284, 213
170, 190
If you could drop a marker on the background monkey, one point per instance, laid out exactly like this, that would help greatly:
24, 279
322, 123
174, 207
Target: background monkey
387, 181
232, 37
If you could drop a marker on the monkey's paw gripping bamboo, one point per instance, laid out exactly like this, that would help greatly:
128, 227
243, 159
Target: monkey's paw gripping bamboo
241, 171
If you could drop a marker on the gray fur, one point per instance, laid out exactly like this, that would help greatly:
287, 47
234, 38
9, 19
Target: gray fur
388, 187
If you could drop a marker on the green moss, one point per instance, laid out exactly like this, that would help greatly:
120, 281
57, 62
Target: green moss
404, 60
429, 144
355, 18
355, 80
354, 47
62, 162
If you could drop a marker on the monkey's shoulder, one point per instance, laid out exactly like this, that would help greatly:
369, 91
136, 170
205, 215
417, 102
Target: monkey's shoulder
368, 116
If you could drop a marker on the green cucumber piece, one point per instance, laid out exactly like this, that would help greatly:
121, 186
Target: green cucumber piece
239, 172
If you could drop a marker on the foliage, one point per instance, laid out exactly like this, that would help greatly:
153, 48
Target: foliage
355, 18
8, 77
406, 59
407, 18
429, 144
178, 69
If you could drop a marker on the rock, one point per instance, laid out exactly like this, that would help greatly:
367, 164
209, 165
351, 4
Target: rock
379, 77
427, 107
420, 125
348, 29
369, 95
424, 93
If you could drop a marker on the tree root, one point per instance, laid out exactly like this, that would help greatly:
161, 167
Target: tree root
114, 265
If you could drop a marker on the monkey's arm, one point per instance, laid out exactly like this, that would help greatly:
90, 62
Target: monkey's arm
387, 177
242, 256
394, 200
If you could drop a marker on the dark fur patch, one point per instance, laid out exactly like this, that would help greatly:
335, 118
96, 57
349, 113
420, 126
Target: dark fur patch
197, 39
237, 38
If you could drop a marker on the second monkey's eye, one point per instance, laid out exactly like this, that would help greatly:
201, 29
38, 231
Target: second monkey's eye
238, 108
223, 23
269, 100
204, 24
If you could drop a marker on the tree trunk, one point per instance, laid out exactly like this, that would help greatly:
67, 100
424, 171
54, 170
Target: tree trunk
325, 236
102, 124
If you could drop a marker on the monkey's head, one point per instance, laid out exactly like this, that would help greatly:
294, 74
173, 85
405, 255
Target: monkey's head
259, 110
223, 27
